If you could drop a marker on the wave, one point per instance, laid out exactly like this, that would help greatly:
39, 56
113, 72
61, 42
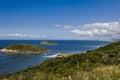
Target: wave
52, 56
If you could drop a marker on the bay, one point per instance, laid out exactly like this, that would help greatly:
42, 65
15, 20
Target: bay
10, 63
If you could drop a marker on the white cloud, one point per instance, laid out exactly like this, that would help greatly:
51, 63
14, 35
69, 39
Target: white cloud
57, 25
105, 30
68, 27
109, 29
82, 33
65, 26
19, 35
42, 35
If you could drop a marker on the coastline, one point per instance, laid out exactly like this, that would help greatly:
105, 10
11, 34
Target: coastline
8, 51
4, 50
64, 55
54, 49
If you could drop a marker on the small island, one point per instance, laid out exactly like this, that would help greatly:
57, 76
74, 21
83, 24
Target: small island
48, 43
24, 48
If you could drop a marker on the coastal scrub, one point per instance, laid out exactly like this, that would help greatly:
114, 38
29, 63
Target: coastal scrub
23, 48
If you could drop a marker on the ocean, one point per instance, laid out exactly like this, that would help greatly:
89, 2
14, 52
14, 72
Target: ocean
10, 63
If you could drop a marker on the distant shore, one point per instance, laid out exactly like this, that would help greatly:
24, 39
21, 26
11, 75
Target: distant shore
47, 43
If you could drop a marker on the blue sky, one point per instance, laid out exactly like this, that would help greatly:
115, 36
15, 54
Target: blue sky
59, 19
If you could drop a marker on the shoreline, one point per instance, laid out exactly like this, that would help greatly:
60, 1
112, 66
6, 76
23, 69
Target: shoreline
63, 55
4, 50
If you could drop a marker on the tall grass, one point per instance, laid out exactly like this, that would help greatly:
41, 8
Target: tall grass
100, 73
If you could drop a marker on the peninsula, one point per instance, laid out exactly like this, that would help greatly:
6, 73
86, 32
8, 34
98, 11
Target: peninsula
24, 48
47, 43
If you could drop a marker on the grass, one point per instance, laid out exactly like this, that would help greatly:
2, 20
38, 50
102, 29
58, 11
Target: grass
99, 73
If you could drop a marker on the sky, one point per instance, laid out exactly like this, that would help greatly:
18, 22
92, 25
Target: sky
60, 19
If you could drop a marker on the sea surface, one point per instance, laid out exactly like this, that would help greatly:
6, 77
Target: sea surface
10, 63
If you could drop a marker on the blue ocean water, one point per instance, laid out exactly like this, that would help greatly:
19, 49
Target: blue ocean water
10, 63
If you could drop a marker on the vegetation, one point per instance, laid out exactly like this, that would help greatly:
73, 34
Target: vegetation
26, 48
48, 43
100, 64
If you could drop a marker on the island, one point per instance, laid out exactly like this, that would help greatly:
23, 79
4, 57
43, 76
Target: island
24, 48
47, 43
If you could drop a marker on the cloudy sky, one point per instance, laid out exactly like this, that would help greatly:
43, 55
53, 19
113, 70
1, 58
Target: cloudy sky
60, 19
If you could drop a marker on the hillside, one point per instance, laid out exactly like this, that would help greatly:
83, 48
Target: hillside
100, 64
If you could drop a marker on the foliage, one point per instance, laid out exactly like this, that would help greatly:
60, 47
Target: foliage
26, 48
85, 61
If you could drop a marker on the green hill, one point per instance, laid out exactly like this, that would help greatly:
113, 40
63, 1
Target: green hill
25, 48
100, 64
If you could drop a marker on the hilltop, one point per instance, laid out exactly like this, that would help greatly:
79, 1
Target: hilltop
100, 64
